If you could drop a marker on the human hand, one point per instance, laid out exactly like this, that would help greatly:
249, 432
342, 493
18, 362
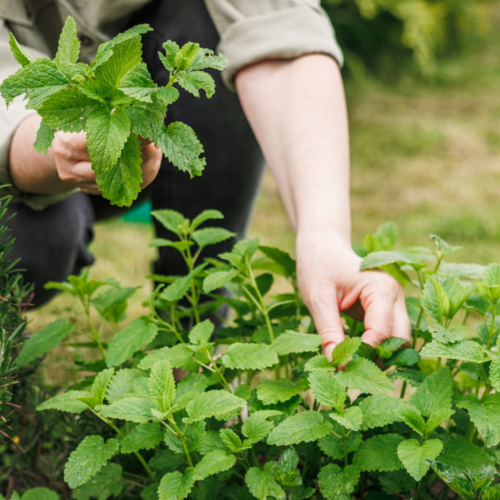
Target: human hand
330, 282
74, 167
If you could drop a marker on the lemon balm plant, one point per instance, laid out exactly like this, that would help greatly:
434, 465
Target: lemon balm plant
115, 101
258, 411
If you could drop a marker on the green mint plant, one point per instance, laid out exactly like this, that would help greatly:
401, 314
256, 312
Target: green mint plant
115, 101
254, 410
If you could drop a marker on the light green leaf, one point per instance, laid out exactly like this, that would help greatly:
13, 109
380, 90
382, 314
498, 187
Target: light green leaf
129, 340
262, 484
102, 486
364, 376
122, 384
328, 390
211, 236
413, 455
280, 257
44, 138
162, 384
179, 356
91, 455
36, 494
434, 393
194, 81
435, 301
351, 419
443, 247
231, 440
271, 392
318, 363
201, 333
150, 359
143, 437
409, 256
436, 419
130, 409
412, 417
175, 486
21, 56
379, 453
204, 216
379, 411
212, 463
295, 342
337, 484
257, 427
170, 219
345, 350
465, 456
68, 401
100, 384
213, 404
466, 350
333, 447
449, 335
44, 340
182, 148
194, 438
107, 134
303, 427
495, 374
485, 415
122, 182
205, 58
249, 357
218, 280
68, 49
177, 289
168, 95
137, 83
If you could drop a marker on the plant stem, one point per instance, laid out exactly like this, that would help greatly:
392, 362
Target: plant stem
419, 487
492, 329
414, 343
95, 333
346, 461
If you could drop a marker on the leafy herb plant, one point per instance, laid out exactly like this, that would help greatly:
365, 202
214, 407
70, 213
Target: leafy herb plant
258, 411
115, 101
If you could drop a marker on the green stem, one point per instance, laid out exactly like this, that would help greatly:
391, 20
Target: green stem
414, 343
133, 482
346, 461
223, 380
95, 333
492, 329
419, 487
446, 489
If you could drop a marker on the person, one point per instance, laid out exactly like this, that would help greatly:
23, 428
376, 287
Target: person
282, 100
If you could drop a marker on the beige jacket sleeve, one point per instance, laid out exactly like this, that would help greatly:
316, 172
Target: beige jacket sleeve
255, 30
9, 121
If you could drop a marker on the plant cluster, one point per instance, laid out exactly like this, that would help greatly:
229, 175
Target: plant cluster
115, 101
254, 410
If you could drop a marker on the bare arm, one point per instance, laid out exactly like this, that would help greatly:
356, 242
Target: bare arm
66, 165
297, 111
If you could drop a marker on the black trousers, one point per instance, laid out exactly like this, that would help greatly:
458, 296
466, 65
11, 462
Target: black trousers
52, 244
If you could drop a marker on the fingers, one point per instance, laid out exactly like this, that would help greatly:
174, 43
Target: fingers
324, 309
401, 325
151, 162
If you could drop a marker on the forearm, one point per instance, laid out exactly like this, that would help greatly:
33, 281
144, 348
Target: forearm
297, 111
30, 171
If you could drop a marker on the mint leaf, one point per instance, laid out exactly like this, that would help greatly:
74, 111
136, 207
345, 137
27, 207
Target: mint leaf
129, 340
170, 219
21, 56
345, 350
337, 484
212, 463
168, 95
147, 119
181, 146
201, 333
328, 390
364, 376
122, 182
454, 478
131, 409
106, 483
100, 384
318, 363
205, 58
143, 437
122, 384
465, 456
162, 384
435, 393
466, 350
412, 417
413, 455
68, 401
295, 342
107, 133
249, 357
435, 301
333, 447
68, 50
194, 81
211, 236
44, 340
137, 83
213, 404
303, 427
262, 484
271, 392
257, 427
175, 486
44, 138
379, 453
91, 455
379, 411
352, 418
218, 280
35, 494
453, 334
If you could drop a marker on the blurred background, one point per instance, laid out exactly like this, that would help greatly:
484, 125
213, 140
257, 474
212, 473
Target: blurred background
422, 81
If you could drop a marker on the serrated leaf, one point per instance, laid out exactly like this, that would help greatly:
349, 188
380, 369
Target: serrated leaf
412, 377
168, 95
271, 392
213, 462
345, 350
179, 356
303, 427
205, 58
132, 409
465, 456
318, 363
194, 438
231, 440
213, 404
435, 392
435, 301
162, 384
495, 374
337, 484
44, 138
379, 453
453, 478
218, 280
100, 384
147, 118
170, 219
436, 419
280, 257
412, 417
180, 145
449, 335
295, 342
333, 447
466, 350
414, 456
127, 341
211, 236
107, 134
69, 46
176, 486
442, 246
379, 259
262, 484
35, 494
106, 483
485, 415
194, 81
91, 455
143, 437
328, 390
257, 427
351, 419
137, 83
364, 376
249, 356
379, 411
21, 56
201, 333
121, 184
68, 401
122, 384
44, 340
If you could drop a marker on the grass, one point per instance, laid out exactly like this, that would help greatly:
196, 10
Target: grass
424, 154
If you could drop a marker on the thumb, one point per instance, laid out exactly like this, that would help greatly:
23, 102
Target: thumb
325, 311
